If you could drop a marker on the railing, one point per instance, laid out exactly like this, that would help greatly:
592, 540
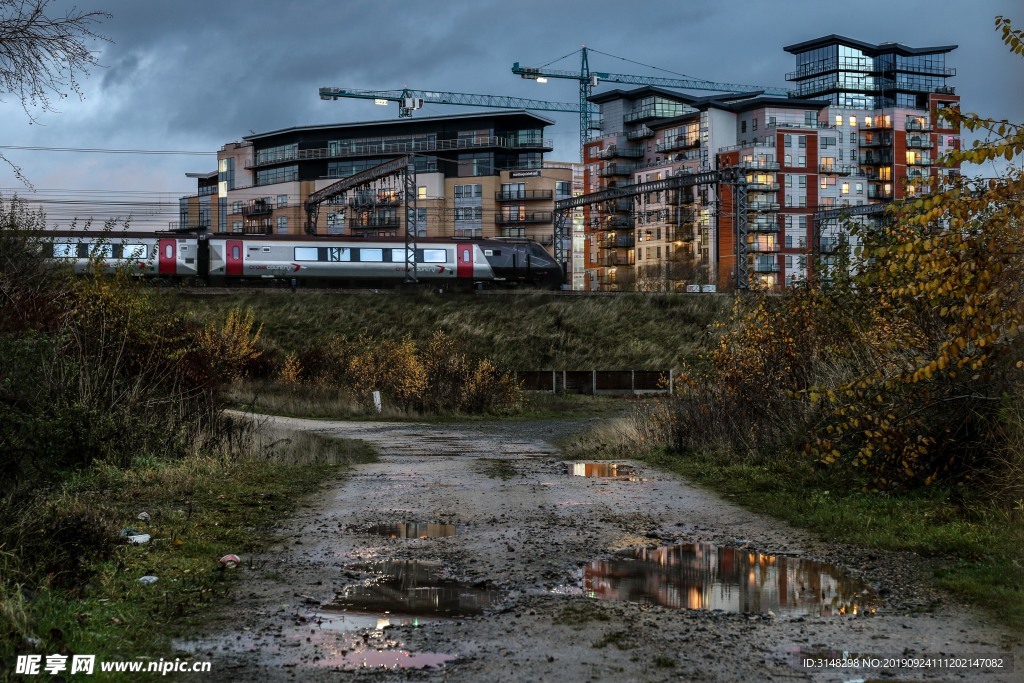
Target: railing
758, 164
763, 226
874, 160
918, 125
758, 247
257, 208
640, 133
766, 266
536, 217
837, 170
374, 223
373, 202
920, 161
748, 145
762, 187
877, 123
523, 195
682, 142
615, 151
804, 125
829, 245
876, 141
614, 169
619, 241
918, 142
917, 173
614, 259
763, 207
597, 381
878, 193
618, 223
654, 113
401, 148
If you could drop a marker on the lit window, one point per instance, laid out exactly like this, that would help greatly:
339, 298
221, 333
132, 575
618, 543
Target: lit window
846, 188
853, 120
839, 119
867, 121
307, 254
371, 254
421, 192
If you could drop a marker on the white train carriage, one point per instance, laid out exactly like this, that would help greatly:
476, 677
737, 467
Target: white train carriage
139, 253
438, 261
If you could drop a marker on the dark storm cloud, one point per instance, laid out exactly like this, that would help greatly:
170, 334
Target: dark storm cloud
193, 74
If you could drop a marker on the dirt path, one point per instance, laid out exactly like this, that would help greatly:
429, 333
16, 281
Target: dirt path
518, 547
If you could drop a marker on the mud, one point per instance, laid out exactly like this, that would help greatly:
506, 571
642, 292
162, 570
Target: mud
511, 596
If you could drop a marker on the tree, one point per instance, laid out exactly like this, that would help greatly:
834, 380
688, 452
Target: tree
42, 57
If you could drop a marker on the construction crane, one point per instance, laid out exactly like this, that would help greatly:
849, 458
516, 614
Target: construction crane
589, 79
411, 100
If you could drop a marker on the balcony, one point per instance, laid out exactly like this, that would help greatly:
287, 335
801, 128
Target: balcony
919, 142
640, 133
258, 207
765, 265
876, 141
762, 246
517, 219
680, 142
914, 173
617, 241
918, 160
374, 201
616, 169
647, 113
762, 187
523, 195
761, 225
763, 207
618, 223
614, 260
680, 235
877, 158
758, 164
383, 222
919, 125
837, 170
829, 245
878, 193
616, 152
877, 123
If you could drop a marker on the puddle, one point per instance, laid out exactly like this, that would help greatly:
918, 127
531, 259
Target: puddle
411, 588
705, 576
412, 530
600, 469
391, 659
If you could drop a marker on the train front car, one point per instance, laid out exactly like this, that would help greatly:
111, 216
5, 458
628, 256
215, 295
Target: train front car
522, 263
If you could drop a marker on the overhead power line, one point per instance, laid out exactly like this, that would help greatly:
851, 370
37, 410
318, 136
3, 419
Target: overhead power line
104, 150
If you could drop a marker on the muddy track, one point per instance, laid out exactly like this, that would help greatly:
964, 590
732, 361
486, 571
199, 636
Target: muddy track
500, 592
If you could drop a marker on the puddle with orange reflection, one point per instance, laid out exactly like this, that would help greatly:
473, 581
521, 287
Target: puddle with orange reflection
600, 469
412, 530
710, 577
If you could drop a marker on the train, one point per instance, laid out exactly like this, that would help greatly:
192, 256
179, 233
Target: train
225, 259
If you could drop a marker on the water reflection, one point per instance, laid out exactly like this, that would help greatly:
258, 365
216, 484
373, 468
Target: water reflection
705, 576
413, 530
600, 469
412, 588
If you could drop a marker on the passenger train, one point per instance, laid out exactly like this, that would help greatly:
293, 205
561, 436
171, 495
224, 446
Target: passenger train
299, 260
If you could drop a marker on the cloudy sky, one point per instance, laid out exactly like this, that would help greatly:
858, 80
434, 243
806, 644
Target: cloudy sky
191, 75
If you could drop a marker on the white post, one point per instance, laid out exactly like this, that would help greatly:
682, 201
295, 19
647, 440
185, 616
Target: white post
376, 401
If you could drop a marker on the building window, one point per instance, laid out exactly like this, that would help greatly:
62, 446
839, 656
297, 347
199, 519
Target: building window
270, 176
853, 121
787, 141
801, 181
743, 126
789, 180
236, 226
282, 224
469, 191
282, 201
845, 189
802, 161
236, 207
753, 125
771, 121
421, 192
803, 201
801, 140
789, 160
839, 119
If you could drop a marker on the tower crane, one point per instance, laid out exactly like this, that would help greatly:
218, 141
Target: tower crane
589, 79
410, 100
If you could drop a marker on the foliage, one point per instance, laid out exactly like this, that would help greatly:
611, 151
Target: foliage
233, 346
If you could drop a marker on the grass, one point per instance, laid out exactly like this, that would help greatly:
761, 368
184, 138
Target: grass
518, 330
200, 509
978, 543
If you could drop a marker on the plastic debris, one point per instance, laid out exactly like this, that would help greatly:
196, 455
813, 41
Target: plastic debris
138, 539
230, 561
143, 517
127, 531
147, 580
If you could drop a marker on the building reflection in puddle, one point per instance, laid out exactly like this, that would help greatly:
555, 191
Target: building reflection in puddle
412, 588
705, 576
600, 469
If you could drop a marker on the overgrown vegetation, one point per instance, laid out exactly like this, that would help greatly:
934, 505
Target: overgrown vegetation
109, 406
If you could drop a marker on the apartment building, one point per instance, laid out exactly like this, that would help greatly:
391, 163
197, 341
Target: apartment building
477, 175
859, 128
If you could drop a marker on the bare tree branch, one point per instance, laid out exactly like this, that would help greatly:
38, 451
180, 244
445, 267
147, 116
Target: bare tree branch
43, 57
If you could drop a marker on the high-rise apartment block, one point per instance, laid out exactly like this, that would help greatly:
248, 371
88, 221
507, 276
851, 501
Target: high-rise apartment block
859, 128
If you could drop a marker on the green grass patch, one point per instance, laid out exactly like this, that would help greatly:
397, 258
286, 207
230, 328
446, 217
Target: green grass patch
200, 509
578, 613
517, 331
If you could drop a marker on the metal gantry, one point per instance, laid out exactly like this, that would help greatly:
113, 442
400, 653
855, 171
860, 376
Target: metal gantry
404, 167
734, 177
410, 100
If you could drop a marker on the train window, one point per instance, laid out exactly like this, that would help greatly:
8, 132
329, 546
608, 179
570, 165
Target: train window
337, 254
102, 251
398, 255
266, 250
465, 256
435, 256
65, 250
307, 254
371, 254
168, 251
134, 251
236, 252
182, 247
